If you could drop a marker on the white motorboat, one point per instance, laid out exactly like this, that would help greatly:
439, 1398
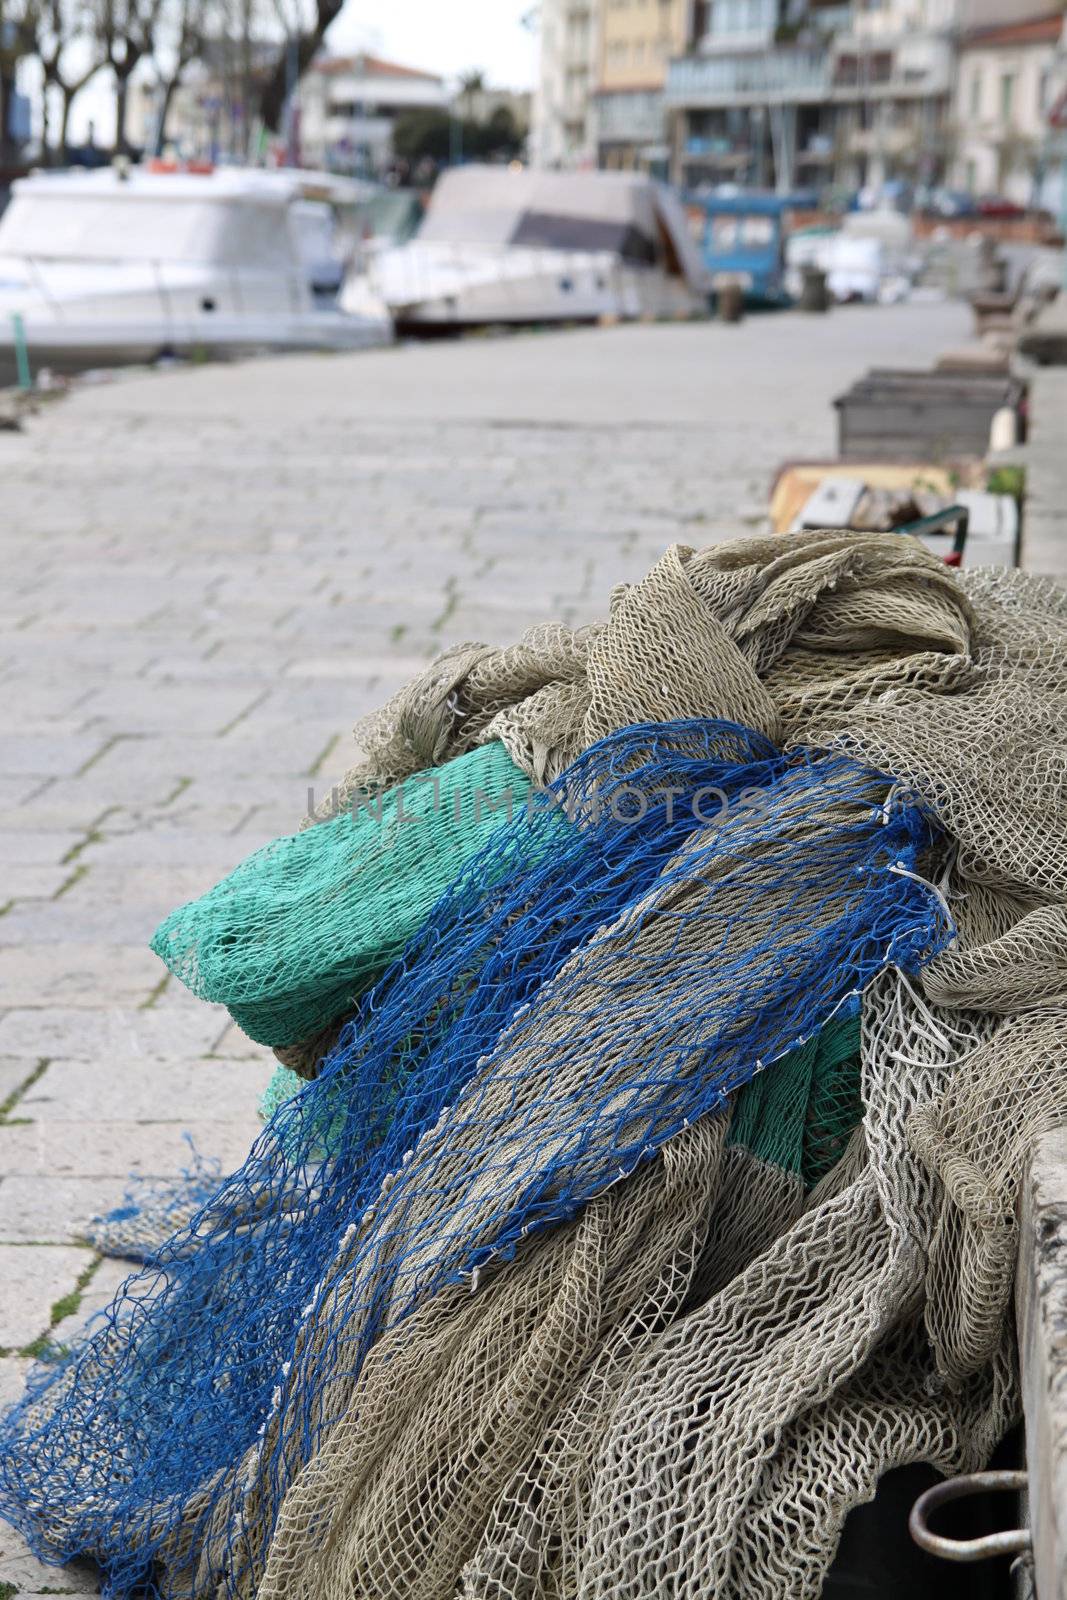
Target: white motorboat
871, 257
500, 246
111, 267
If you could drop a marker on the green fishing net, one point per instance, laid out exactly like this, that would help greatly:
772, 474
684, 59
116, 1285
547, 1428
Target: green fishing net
800, 1112
284, 1083
301, 927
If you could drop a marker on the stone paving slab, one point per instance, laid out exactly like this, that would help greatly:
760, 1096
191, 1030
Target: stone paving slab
72, 974
32, 847
97, 1036
32, 1580
138, 1091
31, 1282
14, 1074
209, 577
125, 1149
55, 1210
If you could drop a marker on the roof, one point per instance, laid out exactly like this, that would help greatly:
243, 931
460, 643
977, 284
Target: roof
256, 184
372, 67
754, 203
1045, 29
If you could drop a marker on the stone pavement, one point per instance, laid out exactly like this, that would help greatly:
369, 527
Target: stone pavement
208, 576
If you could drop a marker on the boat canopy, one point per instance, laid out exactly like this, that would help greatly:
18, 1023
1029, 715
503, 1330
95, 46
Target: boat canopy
629, 215
231, 218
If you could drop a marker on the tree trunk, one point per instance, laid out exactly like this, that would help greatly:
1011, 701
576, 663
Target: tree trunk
164, 112
275, 91
6, 87
246, 80
48, 153
122, 91
64, 121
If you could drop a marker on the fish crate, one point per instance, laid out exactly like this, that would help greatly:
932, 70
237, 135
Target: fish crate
939, 415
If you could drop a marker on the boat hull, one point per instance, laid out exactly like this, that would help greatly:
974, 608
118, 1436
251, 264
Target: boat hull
431, 289
70, 347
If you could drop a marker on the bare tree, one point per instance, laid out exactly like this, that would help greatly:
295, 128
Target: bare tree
64, 27
471, 85
188, 41
127, 34
304, 23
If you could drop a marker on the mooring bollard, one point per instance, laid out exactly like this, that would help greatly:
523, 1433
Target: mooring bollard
731, 302
814, 295
22, 354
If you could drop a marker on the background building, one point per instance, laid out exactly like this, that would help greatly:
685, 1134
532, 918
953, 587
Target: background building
812, 94
15, 119
210, 114
349, 104
1006, 87
637, 41
563, 133
783, 95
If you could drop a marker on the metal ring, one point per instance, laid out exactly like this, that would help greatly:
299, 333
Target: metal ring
1010, 1543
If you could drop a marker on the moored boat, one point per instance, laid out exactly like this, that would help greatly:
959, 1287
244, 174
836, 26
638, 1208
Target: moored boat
114, 267
500, 246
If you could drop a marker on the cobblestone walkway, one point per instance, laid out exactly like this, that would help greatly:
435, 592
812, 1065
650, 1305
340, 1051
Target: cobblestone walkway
208, 576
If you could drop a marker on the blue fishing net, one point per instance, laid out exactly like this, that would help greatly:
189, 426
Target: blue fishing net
579, 995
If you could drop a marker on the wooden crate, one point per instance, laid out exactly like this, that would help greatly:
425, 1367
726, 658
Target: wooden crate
926, 416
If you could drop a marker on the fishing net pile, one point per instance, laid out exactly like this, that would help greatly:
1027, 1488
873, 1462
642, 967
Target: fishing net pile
645, 1189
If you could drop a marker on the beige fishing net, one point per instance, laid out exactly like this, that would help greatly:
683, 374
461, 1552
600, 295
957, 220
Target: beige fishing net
685, 1391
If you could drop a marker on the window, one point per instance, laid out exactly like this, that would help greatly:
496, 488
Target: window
880, 66
1007, 96
757, 231
723, 234
976, 92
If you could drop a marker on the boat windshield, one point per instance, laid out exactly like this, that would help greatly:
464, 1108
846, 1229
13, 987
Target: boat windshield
138, 227
729, 232
545, 229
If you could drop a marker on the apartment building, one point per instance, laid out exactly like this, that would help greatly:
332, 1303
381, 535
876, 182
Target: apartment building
348, 105
563, 132
638, 40
799, 93
1009, 80
790, 94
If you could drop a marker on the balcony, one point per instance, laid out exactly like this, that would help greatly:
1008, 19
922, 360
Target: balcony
914, 68
908, 67
882, 141
738, 25
634, 116
783, 75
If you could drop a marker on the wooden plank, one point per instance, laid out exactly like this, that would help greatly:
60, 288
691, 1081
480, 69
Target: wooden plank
1041, 1314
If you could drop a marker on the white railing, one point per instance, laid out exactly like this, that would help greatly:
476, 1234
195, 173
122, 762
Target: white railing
636, 114
772, 74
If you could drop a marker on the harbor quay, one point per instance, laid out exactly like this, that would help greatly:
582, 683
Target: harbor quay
211, 574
